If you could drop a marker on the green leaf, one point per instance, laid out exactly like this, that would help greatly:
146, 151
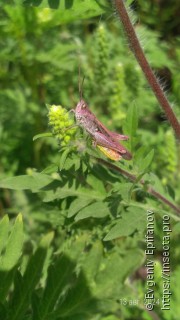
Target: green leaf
43, 135
4, 230
139, 154
25, 285
77, 205
71, 161
93, 180
6, 280
77, 299
95, 210
124, 189
132, 220
146, 162
50, 169
131, 124
67, 10
25, 182
157, 185
91, 260
176, 229
61, 191
60, 276
12, 252
63, 158
77, 246
128, 2
115, 270
13, 246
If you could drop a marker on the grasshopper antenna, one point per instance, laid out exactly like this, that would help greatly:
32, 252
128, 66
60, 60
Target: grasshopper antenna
81, 84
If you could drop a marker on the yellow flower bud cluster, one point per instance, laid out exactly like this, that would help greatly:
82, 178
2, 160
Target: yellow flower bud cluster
61, 124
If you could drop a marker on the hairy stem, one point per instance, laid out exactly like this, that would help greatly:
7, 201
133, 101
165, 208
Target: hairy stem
133, 178
139, 54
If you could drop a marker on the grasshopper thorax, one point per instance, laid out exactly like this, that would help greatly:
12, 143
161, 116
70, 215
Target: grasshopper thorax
84, 117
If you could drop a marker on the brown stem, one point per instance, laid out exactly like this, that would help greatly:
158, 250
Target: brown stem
139, 54
133, 178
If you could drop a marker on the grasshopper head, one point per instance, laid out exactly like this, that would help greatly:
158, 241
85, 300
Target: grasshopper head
81, 110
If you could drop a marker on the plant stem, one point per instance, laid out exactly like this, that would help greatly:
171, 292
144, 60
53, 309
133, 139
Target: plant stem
133, 178
149, 74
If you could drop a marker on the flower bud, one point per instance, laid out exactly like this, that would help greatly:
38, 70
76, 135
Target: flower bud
61, 124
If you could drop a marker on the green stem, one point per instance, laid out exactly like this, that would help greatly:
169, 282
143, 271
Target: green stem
149, 74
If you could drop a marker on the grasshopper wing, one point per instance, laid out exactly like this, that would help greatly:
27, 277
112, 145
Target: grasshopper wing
105, 141
113, 135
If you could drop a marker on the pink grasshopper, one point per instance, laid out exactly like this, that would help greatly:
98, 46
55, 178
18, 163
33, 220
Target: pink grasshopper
106, 140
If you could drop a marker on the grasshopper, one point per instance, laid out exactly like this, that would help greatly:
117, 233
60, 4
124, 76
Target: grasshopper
106, 140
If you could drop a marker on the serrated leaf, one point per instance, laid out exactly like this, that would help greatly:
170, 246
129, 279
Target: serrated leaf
157, 186
132, 220
22, 294
139, 154
62, 191
146, 162
50, 169
92, 260
46, 240
25, 182
92, 180
13, 246
115, 270
63, 158
95, 210
77, 205
43, 135
77, 246
77, 299
124, 189
59, 279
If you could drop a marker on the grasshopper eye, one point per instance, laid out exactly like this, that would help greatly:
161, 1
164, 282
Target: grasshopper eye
83, 105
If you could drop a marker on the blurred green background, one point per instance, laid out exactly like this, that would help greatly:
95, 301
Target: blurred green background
39, 61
